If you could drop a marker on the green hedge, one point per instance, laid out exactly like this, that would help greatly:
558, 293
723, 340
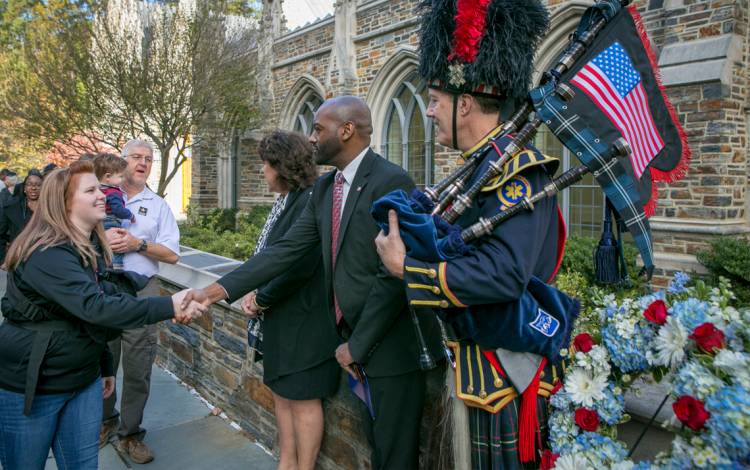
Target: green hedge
729, 257
224, 231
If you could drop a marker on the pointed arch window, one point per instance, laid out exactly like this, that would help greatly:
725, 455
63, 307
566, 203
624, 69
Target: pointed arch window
304, 119
408, 134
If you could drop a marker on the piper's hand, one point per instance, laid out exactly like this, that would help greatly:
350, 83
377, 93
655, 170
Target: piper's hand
391, 247
108, 386
345, 359
249, 306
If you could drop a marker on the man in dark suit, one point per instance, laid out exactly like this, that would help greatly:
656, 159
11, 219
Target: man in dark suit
367, 304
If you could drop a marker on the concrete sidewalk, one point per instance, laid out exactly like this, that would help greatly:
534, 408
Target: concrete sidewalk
184, 435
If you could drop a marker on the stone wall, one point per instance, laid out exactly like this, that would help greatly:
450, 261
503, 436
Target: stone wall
212, 356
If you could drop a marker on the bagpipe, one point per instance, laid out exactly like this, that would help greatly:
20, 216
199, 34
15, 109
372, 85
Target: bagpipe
603, 99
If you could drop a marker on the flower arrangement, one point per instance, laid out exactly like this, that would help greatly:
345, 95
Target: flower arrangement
688, 334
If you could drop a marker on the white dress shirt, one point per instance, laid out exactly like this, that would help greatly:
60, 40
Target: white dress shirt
349, 172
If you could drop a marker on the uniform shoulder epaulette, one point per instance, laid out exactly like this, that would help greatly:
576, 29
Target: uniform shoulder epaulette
523, 160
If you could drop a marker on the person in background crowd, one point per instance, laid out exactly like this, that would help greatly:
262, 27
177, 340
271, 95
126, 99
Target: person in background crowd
48, 169
18, 211
58, 317
152, 239
9, 184
110, 169
298, 337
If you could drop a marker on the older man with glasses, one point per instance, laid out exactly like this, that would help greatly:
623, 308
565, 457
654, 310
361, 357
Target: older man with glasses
154, 237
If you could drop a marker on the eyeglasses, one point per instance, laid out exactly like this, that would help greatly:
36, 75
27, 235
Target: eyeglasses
141, 158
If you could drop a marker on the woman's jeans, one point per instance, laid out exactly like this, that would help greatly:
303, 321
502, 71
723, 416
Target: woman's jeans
69, 423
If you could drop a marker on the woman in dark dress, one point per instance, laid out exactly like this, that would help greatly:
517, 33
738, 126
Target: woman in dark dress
18, 211
299, 337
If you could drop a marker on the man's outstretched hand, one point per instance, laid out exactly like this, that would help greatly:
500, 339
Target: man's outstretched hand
207, 296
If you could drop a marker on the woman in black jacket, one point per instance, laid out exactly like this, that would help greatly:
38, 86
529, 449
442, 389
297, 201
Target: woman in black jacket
299, 336
59, 314
18, 211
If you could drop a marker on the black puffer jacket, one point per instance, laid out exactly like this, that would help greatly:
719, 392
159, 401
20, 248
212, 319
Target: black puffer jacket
56, 280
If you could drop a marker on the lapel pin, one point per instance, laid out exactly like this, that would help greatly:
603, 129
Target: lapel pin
359, 188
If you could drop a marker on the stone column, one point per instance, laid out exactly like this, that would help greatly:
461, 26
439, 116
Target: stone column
271, 24
341, 78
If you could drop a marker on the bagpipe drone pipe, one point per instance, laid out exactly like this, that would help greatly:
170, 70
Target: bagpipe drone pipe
604, 101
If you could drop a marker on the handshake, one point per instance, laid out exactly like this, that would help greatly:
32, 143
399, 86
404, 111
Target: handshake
186, 310
198, 300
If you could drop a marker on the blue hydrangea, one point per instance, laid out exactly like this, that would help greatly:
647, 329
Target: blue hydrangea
603, 447
677, 286
729, 424
610, 409
691, 312
642, 466
695, 380
628, 355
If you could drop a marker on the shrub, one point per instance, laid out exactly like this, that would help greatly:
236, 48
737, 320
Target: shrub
224, 231
579, 257
577, 279
729, 257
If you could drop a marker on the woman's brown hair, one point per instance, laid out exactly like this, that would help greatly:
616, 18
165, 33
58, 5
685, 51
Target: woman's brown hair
51, 225
290, 154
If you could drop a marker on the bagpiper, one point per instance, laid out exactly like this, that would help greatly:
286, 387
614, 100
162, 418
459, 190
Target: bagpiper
477, 58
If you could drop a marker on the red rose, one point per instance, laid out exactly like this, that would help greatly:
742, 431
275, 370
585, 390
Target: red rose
656, 312
583, 342
587, 419
690, 412
548, 460
708, 337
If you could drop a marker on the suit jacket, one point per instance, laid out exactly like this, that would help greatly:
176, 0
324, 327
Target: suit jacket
373, 302
14, 217
297, 331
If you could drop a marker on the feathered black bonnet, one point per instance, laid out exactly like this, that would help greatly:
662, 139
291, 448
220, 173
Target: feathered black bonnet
481, 47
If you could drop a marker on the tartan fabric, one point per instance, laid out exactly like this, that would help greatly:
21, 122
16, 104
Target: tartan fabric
494, 436
617, 183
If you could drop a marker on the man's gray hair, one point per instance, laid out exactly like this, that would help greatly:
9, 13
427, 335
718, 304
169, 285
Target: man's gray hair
136, 143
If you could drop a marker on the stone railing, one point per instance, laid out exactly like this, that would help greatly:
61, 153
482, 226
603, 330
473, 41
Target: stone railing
212, 355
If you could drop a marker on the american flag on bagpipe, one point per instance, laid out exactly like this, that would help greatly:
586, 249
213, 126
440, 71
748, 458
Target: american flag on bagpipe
619, 94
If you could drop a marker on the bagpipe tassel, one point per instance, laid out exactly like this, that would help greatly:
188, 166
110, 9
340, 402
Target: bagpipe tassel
528, 420
606, 260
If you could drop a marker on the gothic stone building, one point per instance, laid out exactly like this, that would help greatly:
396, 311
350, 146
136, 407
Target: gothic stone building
368, 48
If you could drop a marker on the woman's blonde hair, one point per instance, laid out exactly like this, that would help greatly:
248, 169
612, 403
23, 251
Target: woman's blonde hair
51, 225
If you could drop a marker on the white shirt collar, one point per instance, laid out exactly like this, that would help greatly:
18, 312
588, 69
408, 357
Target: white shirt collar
351, 169
145, 194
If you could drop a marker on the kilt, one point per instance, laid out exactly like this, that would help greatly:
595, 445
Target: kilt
494, 436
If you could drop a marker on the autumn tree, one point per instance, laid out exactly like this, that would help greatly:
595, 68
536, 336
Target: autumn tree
102, 73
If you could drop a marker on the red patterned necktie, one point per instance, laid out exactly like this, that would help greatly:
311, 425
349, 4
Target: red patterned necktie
338, 201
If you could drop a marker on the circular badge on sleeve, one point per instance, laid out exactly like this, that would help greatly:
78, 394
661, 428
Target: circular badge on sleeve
514, 190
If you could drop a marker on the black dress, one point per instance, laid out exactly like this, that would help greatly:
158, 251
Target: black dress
299, 336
